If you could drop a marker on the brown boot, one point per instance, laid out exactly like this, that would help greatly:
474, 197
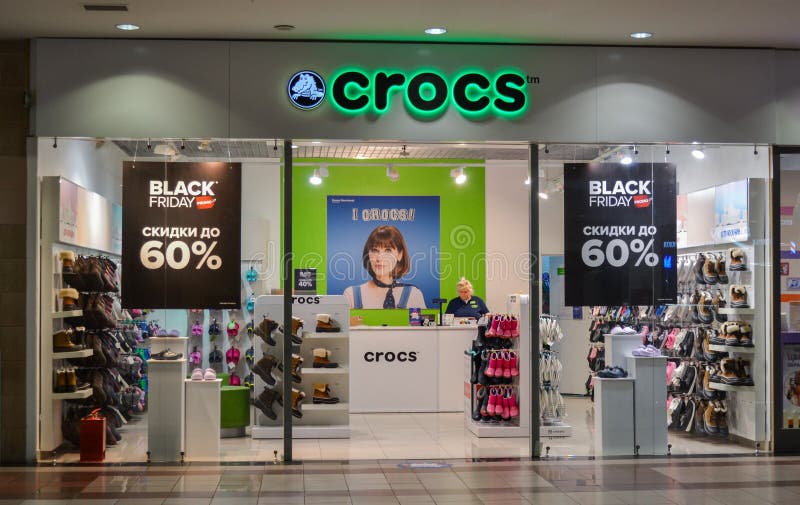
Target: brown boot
722, 273
297, 364
705, 308
745, 335
67, 261
62, 342
710, 420
69, 299
71, 380
738, 260
321, 360
743, 372
297, 325
739, 297
720, 303
297, 400
710, 269
728, 369
322, 394
265, 329
325, 324
61, 380
721, 417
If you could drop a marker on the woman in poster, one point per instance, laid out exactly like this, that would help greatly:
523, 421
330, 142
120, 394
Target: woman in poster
385, 257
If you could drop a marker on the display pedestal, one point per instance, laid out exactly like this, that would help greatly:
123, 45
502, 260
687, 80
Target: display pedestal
650, 403
203, 420
619, 346
174, 344
166, 398
613, 417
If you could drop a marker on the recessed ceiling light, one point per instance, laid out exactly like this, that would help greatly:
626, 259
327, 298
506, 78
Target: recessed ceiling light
284, 28
626, 160
294, 146
436, 30
699, 153
128, 27
641, 35
316, 142
543, 195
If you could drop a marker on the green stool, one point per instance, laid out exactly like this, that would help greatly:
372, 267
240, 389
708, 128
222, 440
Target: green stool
235, 407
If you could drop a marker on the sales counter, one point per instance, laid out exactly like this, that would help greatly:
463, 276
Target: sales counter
408, 368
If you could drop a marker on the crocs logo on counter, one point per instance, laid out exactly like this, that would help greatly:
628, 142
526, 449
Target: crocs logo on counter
375, 357
182, 194
306, 300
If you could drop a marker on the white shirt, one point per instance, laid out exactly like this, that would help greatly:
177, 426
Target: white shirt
374, 299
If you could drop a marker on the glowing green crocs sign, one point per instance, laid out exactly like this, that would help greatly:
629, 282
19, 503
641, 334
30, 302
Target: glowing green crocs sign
428, 93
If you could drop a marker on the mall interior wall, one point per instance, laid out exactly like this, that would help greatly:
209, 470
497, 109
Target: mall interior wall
17, 430
220, 89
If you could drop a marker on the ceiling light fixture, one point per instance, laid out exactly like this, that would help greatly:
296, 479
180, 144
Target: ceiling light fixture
294, 146
459, 175
698, 152
641, 35
543, 195
165, 149
626, 159
528, 181
392, 173
436, 30
127, 27
319, 173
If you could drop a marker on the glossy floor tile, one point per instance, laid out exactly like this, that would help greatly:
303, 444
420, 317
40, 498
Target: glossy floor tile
413, 436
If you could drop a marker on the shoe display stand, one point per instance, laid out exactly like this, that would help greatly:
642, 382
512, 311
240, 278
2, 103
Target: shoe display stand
203, 420
330, 420
551, 405
619, 347
174, 344
650, 403
613, 417
167, 399
519, 426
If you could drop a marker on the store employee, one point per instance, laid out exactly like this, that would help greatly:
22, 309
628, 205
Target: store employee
466, 305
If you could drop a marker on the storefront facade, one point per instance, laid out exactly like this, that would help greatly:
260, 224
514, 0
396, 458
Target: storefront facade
115, 89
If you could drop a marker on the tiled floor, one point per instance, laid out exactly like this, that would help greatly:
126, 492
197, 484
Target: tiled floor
404, 436
660, 481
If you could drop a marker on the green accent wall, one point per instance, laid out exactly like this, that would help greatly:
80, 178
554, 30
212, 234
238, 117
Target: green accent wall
462, 216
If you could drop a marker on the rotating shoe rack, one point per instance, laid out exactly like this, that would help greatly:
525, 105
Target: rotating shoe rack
318, 421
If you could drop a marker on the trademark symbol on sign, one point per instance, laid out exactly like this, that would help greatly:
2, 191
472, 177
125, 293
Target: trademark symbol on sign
533, 79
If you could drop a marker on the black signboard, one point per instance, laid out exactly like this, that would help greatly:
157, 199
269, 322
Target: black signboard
181, 227
305, 279
620, 234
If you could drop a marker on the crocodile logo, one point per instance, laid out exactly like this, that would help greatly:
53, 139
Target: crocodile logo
306, 89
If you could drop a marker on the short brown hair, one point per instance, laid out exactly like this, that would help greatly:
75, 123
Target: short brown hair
387, 236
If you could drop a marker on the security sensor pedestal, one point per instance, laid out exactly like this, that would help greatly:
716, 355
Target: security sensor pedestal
439, 302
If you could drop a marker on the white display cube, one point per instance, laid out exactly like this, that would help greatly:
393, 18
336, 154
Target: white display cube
650, 403
613, 417
203, 421
165, 403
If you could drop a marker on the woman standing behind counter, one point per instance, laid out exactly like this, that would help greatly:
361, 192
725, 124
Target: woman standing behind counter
466, 304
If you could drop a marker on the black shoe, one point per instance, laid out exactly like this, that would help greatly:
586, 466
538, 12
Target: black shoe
166, 355
476, 411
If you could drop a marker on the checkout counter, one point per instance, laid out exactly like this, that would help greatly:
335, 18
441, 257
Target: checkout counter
408, 368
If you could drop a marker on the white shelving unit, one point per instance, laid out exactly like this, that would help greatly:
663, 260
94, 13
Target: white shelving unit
83, 353
52, 317
318, 421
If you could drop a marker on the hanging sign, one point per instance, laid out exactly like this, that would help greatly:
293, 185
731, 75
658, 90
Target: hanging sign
182, 235
620, 234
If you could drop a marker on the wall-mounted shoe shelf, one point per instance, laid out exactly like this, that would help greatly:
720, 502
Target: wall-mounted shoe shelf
67, 313
83, 353
321, 420
728, 311
729, 387
77, 395
732, 349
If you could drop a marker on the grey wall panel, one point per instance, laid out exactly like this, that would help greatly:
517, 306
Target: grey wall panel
562, 106
787, 100
709, 95
131, 88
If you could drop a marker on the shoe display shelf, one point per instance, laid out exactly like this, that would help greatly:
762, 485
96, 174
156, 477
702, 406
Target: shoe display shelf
323, 420
519, 306
552, 407
52, 319
742, 402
